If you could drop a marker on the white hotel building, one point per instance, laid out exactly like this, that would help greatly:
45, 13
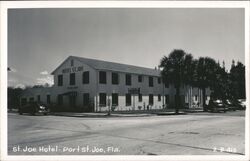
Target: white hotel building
95, 85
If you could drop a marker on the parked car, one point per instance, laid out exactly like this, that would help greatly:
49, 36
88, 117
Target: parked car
242, 104
34, 108
229, 105
238, 104
216, 106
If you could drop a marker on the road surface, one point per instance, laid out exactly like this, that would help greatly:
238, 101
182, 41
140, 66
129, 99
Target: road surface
191, 134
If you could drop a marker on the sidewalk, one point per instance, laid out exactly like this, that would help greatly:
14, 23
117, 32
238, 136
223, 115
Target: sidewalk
118, 113
74, 114
141, 113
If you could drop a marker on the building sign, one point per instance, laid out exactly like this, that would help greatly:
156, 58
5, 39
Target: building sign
72, 70
134, 90
75, 87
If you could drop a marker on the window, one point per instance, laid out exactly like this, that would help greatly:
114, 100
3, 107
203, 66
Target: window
85, 77
60, 99
150, 81
72, 79
38, 98
140, 78
196, 97
151, 99
72, 62
31, 99
48, 99
140, 97
102, 77
159, 97
167, 99
23, 101
128, 79
114, 99
128, 99
85, 99
102, 99
115, 78
159, 80
166, 85
60, 80
178, 99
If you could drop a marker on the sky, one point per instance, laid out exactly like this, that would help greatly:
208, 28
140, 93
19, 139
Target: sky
39, 40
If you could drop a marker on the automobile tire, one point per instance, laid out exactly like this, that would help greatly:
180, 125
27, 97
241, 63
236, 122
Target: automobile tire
20, 113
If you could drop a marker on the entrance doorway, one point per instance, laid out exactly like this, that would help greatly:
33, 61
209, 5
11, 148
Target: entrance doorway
72, 101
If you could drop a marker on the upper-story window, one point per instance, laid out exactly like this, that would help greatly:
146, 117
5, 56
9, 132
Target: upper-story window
72, 79
159, 80
150, 81
102, 77
128, 79
72, 62
85, 77
115, 78
60, 80
140, 78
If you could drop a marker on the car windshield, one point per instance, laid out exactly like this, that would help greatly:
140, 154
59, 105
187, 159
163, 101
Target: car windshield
217, 101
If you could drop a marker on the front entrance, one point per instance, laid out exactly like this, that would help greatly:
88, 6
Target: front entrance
72, 101
71, 97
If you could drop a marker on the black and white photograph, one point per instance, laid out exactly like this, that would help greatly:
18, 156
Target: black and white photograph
132, 82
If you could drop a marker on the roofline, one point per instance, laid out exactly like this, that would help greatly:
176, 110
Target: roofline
118, 71
79, 59
52, 73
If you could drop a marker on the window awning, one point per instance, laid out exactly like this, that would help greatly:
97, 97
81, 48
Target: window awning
72, 93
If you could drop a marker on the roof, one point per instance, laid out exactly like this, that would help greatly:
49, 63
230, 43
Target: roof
118, 67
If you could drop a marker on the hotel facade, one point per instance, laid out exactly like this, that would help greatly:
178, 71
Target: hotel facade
95, 85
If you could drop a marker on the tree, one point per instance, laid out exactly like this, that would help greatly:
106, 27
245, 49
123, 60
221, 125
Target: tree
14, 97
237, 78
177, 70
205, 75
221, 85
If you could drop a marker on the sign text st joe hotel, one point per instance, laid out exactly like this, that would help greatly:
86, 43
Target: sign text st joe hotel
72, 70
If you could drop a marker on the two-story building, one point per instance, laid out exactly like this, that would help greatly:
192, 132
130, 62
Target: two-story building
96, 85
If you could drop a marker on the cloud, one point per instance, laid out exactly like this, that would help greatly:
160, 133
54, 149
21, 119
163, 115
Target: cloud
44, 72
12, 80
20, 86
45, 80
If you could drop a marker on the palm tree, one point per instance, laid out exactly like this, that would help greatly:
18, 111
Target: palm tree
205, 75
177, 70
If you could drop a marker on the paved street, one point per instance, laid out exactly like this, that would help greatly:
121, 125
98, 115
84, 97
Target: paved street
194, 133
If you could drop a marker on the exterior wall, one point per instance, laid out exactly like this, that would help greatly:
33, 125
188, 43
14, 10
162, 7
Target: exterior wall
122, 90
194, 97
35, 92
79, 87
